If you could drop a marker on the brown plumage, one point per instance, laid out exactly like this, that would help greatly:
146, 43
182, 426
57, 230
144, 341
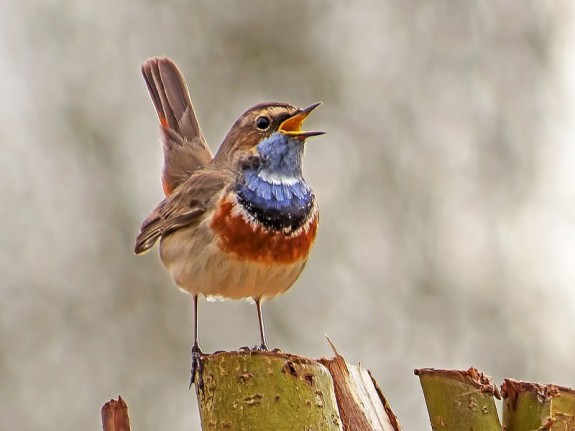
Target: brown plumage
185, 149
214, 240
181, 208
191, 177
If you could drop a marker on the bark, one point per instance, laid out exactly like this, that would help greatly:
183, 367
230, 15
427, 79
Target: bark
362, 405
115, 415
252, 390
533, 406
263, 390
459, 400
267, 390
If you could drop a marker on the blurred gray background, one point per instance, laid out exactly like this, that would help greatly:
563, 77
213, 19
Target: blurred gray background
445, 181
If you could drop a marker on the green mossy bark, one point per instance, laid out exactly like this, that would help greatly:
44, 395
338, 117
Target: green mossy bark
533, 406
266, 391
459, 400
563, 409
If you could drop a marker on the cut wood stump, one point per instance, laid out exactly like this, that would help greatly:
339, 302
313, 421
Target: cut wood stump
260, 390
115, 415
255, 390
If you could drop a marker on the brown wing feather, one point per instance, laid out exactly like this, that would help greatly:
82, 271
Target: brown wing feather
183, 207
185, 148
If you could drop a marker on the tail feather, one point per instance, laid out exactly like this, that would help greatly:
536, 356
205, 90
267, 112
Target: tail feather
185, 148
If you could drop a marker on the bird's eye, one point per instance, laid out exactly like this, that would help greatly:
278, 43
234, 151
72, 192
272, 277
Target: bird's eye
262, 123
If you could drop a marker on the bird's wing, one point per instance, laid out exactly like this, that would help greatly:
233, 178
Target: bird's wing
185, 148
183, 207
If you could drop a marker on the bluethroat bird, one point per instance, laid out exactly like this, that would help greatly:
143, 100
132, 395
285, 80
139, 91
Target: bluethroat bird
239, 224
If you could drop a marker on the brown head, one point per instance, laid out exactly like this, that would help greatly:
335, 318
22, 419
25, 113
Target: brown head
259, 123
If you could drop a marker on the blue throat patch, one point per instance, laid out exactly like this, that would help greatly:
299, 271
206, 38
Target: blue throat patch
272, 188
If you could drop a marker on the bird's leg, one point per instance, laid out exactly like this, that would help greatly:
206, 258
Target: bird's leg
196, 352
263, 346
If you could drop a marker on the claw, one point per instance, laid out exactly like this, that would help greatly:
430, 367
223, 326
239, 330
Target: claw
197, 368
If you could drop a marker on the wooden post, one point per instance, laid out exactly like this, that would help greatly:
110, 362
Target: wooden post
533, 406
253, 390
265, 390
115, 415
459, 400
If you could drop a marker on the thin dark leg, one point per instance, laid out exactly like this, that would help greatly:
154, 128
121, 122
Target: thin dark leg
195, 305
263, 346
196, 351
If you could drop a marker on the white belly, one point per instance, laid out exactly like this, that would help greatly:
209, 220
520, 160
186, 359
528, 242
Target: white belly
198, 266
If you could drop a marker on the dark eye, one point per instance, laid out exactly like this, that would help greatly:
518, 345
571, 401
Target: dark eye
262, 123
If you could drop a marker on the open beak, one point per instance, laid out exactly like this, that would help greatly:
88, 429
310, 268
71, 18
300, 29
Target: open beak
292, 126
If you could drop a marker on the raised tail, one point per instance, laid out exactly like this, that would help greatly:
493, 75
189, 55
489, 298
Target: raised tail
185, 148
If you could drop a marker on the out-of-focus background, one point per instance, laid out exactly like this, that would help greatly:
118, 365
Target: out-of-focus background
446, 185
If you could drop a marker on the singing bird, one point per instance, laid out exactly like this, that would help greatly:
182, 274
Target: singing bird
237, 225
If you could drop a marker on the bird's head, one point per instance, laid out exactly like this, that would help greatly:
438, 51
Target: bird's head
269, 138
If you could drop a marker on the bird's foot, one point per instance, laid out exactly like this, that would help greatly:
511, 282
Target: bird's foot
259, 348
197, 368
